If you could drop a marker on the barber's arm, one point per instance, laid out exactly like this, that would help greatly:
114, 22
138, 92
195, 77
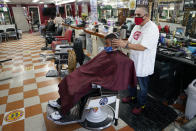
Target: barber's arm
127, 45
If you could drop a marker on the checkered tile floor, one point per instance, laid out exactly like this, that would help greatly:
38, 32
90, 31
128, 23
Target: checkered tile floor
23, 86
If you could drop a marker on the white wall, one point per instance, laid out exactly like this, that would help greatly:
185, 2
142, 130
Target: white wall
4, 27
20, 19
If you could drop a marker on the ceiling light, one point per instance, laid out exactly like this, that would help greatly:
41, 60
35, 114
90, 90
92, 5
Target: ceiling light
6, 0
41, 2
34, 1
64, 2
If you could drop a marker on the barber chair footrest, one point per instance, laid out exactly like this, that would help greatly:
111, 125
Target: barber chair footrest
55, 73
65, 121
52, 73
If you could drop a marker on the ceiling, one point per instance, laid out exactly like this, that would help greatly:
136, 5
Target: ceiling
28, 1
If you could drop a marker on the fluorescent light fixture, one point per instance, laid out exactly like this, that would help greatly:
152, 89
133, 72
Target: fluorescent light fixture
171, 8
41, 2
34, 1
64, 2
165, 8
6, 1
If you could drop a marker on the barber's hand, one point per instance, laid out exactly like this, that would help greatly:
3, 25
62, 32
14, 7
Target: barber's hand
118, 43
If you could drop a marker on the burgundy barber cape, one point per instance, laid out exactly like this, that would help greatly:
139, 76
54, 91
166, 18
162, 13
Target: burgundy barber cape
113, 71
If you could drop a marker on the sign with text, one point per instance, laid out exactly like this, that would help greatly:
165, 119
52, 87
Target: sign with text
93, 5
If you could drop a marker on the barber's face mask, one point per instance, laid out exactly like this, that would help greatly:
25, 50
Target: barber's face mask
139, 20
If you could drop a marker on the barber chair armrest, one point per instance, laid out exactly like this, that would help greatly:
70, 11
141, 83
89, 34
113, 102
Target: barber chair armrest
60, 39
61, 53
61, 61
108, 92
59, 36
66, 46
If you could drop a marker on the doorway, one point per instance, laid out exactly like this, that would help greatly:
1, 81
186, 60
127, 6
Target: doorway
35, 17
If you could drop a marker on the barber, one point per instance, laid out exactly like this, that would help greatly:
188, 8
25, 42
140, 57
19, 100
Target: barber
142, 45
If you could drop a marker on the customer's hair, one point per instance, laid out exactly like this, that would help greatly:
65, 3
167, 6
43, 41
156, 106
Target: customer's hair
111, 36
144, 7
58, 15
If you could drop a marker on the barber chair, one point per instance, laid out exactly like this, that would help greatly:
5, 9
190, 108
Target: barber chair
95, 112
59, 39
69, 55
51, 34
62, 55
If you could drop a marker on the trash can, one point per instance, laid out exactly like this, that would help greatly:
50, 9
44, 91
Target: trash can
190, 110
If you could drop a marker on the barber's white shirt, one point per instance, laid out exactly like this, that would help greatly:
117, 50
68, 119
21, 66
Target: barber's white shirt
147, 36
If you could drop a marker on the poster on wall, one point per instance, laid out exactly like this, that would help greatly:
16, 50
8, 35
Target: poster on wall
132, 4
94, 15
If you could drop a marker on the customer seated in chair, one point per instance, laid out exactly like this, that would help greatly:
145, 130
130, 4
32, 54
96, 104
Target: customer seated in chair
111, 69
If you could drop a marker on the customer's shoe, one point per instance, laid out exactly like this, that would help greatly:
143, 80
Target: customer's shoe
138, 110
53, 103
129, 99
55, 116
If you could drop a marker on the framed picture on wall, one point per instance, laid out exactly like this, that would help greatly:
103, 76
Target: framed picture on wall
142, 2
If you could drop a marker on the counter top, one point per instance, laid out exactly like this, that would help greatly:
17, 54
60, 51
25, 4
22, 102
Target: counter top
99, 34
89, 31
78, 28
177, 59
74, 26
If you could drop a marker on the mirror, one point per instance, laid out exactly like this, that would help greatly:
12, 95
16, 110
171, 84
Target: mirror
171, 12
68, 10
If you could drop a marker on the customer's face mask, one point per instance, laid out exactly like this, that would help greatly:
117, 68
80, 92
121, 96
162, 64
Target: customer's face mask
108, 46
108, 49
